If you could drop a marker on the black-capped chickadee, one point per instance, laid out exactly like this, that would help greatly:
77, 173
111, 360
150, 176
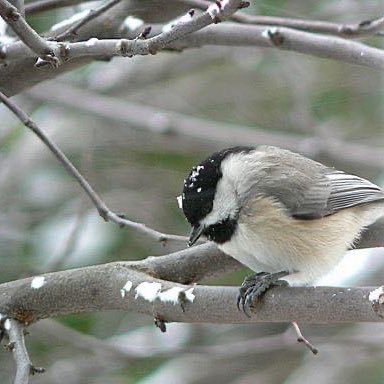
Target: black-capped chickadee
278, 212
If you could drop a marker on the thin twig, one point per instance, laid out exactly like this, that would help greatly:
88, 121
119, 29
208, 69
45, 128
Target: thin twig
24, 367
92, 14
302, 339
102, 208
26, 33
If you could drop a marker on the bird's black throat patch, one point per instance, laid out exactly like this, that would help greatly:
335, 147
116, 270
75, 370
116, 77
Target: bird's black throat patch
221, 232
200, 185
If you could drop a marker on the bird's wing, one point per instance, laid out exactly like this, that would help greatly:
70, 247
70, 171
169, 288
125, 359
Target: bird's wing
350, 190
308, 189
333, 191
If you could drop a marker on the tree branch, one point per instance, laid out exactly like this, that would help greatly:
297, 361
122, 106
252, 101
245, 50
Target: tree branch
24, 367
27, 35
226, 34
15, 54
286, 39
115, 287
100, 288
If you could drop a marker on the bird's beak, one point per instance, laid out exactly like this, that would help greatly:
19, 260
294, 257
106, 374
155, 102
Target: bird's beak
196, 232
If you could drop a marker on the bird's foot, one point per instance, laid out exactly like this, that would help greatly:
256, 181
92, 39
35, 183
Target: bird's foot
255, 286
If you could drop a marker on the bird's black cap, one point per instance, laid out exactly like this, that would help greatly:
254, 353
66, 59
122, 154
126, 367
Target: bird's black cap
200, 185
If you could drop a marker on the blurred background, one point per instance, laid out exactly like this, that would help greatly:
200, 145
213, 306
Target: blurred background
119, 123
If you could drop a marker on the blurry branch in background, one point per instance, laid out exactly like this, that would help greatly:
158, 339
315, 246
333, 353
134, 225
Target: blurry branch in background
92, 14
47, 5
24, 368
58, 260
122, 349
170, 123
102, 208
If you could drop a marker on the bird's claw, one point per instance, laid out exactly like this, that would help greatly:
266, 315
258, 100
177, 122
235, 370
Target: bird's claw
254, 287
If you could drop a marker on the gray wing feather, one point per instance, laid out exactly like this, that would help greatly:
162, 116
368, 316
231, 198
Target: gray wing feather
338, 190
350, 190
308, 189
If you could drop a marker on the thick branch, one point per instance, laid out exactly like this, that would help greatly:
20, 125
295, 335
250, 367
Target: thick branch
181, 37
330, 47
100, 288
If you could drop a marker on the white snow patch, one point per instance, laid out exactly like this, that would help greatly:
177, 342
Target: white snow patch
375, 296
214, 11
132, 23
91, 42
199, 190
180, 201
196, 172
268, 32
152, 291
66, 23
170, 295
127, 287
7, 325
148, 291
37, 282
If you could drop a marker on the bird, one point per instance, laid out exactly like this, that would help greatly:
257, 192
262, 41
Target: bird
288, 218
